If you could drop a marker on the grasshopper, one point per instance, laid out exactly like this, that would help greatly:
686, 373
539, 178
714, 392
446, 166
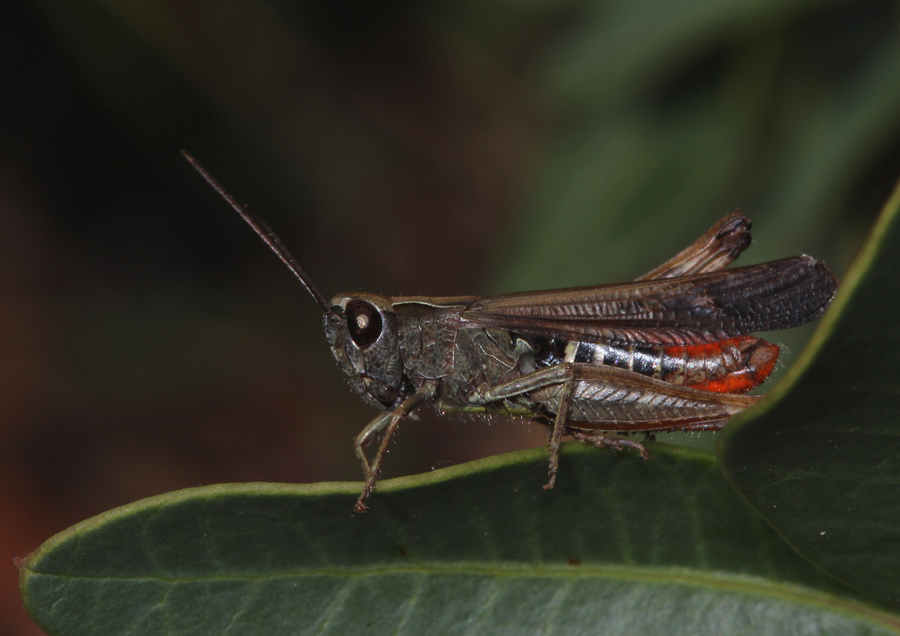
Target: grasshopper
670, 351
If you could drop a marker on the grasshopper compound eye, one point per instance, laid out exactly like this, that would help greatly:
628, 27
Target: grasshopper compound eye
363, 322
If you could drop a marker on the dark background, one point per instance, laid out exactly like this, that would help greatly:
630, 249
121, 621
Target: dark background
149, 342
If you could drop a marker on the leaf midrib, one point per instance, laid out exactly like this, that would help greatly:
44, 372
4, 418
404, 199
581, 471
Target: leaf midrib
718, 581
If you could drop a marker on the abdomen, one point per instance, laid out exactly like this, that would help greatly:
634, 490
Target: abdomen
735, 365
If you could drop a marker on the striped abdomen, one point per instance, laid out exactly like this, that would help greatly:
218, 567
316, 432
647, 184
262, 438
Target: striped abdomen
735, 365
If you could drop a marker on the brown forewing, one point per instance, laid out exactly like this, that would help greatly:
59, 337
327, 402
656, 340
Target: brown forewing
671, 311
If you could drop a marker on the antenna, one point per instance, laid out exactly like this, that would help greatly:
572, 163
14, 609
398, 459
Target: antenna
266, 234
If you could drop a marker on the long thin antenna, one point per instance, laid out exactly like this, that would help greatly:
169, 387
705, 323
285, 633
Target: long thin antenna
266, 234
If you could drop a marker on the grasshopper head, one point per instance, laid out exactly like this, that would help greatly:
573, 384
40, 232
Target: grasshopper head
362, 333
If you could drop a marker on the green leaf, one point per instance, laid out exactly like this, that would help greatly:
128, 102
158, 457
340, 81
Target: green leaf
821, 459
620, 545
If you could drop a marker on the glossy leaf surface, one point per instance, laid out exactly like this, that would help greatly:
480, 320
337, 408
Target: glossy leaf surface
652, 547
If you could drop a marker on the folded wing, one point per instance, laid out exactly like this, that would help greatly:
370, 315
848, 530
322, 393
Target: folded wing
670, 311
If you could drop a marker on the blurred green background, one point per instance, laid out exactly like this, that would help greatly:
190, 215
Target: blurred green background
149, 342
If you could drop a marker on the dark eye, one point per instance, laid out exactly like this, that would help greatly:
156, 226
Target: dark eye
363, 322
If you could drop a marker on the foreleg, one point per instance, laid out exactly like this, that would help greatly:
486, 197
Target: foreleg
388, 423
